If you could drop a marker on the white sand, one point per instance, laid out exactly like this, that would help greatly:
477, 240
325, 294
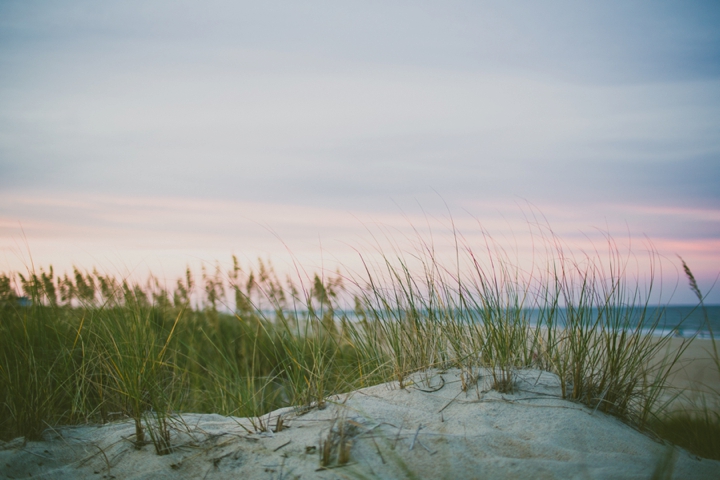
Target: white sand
390, 432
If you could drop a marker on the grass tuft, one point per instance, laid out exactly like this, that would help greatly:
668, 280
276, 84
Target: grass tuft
89, 347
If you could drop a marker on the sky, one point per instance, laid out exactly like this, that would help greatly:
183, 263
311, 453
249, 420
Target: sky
151, 135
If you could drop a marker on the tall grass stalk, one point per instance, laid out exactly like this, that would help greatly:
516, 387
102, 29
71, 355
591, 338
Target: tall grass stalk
696, 426
90, 346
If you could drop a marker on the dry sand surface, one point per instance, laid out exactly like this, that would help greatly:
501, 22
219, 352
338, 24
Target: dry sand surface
696, 372
430, 429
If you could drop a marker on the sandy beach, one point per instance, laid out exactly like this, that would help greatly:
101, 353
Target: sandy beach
696, 375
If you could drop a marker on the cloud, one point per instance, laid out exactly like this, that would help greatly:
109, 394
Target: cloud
306, 136
600, 112
164, 234
608, 41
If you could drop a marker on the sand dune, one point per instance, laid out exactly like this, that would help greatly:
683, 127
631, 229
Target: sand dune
430, 429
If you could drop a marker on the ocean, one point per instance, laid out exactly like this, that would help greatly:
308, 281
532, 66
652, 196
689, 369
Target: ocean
679, 320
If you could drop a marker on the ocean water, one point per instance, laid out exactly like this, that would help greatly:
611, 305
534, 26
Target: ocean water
689, 320
679, 320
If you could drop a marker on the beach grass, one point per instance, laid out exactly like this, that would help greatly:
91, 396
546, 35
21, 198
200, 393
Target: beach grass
90, 347
696, 426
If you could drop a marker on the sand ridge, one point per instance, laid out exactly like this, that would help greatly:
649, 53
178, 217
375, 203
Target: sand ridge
432, 428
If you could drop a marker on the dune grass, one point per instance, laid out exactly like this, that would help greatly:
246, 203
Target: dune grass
94, 348
696, 426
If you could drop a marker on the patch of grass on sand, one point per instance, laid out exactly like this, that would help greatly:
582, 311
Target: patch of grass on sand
89, 347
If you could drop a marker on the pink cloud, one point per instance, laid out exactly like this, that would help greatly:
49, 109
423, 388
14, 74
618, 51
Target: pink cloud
134, 235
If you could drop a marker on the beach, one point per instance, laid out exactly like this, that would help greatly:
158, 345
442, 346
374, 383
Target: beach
695, 375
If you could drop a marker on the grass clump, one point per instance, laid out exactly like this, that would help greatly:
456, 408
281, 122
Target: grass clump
107, 349
91, 347
696, 431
